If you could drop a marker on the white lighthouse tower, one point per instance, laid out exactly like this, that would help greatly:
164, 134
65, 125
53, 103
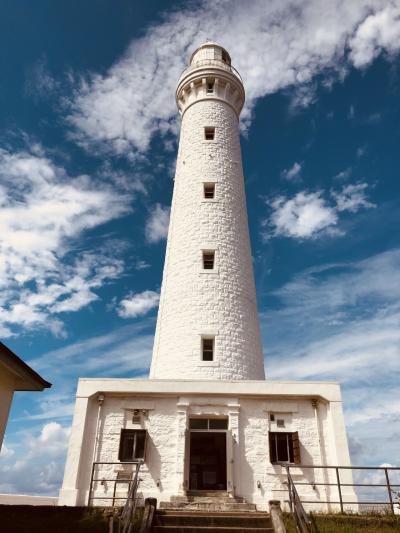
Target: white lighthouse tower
207, 324
207, 421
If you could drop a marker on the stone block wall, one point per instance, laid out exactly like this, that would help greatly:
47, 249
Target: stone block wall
163, 474
219, 302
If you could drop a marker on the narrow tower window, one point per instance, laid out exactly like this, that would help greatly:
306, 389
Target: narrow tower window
209, 133
209, 190
210, 86
208, 260
207, 349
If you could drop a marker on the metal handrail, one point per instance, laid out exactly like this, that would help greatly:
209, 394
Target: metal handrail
103, 480
339, 484
128, 512
300, 517
211, 63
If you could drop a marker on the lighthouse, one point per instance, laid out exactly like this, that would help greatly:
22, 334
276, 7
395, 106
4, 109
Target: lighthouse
207, 325
206, 429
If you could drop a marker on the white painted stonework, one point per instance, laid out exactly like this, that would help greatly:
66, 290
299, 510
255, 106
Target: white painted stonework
219, 302
196, 303
312, 409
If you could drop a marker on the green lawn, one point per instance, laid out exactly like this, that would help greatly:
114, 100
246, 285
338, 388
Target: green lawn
351, 523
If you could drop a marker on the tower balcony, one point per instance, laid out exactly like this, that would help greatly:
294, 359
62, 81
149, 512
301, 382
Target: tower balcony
210, 76
213, 63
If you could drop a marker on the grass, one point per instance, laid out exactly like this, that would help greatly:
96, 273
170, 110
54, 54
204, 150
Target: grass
350, 523
51, 519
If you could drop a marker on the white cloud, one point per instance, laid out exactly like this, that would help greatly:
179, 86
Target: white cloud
341, 322
42, 211
125, 350
304, 216
286, 43
138, 304
343, 174
6, 452
36, 466
157, 224
293, 173
379, 31
141, 264
352, 198
309, 215
354, 353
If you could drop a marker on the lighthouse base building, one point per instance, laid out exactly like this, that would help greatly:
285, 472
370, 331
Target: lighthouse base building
226, 437
207, 424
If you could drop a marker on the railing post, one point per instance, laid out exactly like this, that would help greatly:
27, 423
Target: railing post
389, 490
91, 484
339, 489
275, 513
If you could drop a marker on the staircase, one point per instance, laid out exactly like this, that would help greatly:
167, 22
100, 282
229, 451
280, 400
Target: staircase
208, 513
207, 522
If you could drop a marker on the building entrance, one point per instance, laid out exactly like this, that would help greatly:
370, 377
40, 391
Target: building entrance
207, 461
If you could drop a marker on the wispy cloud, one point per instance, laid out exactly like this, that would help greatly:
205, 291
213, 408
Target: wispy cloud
141, 264
42, 211
125, 352
293, 173
309, 215
126, 349
284, 46
352, 198
343, 174
39, 81
341, 322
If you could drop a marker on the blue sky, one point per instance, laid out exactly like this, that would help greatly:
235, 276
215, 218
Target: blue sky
88, 137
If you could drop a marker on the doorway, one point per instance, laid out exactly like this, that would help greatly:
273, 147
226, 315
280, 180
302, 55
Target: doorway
207, 468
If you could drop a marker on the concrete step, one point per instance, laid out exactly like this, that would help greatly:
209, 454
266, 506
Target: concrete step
217, 493
206, 499
205, 529
213, 505
183, 518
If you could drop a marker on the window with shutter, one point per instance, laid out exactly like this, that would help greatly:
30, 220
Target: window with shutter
284, 447
132, 444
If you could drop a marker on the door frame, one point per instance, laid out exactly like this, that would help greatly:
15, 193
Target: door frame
229, 452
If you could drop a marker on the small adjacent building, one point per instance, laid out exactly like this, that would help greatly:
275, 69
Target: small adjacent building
206, 421
15, 375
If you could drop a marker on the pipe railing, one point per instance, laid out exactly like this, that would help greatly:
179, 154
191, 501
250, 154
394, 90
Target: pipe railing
301, 519
129, 510
392, 489
211, 63
129, 480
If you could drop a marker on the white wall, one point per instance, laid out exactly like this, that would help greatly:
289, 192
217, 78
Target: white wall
220, 302
166, 423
